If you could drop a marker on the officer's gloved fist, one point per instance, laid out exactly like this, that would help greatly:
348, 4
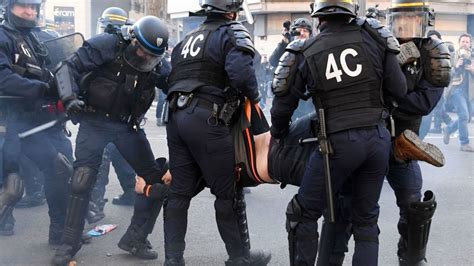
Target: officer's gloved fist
51, 89
75, 106
256, 99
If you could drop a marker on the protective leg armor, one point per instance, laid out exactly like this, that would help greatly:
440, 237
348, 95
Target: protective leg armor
57, 197
302, 235
241, 212
10, 194
82, 181
419, 223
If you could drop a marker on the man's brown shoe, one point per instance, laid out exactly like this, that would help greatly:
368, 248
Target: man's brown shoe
408, 146
467, 147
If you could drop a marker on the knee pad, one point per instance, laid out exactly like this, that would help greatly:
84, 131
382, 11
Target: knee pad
302, 234
12, 190
83, 180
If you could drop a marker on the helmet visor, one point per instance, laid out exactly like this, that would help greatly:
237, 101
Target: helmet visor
139, 58
406, 25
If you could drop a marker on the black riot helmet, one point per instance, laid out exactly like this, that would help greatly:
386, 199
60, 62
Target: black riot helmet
149, 41
409, 19
333, 7
301, 23
221, 6
19, 22
112, 19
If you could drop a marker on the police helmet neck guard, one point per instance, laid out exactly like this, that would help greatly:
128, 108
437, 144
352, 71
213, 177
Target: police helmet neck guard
409, 19
324, 8
19, 22
149, 41
112, 19
220, 6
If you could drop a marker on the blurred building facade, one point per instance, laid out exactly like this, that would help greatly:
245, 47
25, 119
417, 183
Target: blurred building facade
453, 17
79, 15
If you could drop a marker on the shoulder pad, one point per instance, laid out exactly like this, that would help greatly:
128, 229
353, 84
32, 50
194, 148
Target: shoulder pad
380, 32
241, 37
282, 74
295, 46
436, 62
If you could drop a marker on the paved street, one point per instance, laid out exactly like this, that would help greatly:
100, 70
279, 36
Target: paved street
451, 240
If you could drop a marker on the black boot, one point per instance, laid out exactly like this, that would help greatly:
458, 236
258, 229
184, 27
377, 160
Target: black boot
55, 233
33, 200
255, 258
64, 254
95, 213
135, 242
126, 199
6, 229
174, 262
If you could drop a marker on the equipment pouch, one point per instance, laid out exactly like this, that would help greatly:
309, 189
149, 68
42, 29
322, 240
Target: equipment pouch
227, 112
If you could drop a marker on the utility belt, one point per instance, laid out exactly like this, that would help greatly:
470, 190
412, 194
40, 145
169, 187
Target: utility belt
221, 110
127, 119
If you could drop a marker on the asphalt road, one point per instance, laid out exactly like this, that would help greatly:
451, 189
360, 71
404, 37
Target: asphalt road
451, 240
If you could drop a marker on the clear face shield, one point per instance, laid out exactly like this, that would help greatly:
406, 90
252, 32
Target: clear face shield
140, 58
408, 24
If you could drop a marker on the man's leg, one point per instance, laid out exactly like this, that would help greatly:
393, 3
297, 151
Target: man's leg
136, 150
406, 181
126, 177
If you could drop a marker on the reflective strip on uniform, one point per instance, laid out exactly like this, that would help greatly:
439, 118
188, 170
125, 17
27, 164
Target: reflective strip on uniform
117, 17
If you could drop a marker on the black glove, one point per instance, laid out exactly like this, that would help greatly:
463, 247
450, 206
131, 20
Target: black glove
52, 89
75, 106
256, 99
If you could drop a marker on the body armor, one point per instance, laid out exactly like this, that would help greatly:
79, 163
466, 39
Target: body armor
347, 87
286, 69
118, 90
196, 68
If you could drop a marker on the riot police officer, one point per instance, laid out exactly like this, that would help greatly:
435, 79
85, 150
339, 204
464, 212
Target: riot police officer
23, 76
344, 69
119, 73
208, 67
111, 21
426, 64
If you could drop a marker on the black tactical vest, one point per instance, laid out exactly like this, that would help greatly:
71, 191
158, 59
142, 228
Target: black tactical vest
346, 81
26, 62
118, 90
193, 64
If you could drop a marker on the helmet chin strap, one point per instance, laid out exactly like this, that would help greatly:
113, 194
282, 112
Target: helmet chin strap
18, 22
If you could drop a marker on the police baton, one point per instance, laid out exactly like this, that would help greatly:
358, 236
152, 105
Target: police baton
325, 150
307, 140
43, 127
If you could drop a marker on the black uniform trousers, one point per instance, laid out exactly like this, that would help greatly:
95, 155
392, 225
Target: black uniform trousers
42, 148
361, 156
200, 147
95, 132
